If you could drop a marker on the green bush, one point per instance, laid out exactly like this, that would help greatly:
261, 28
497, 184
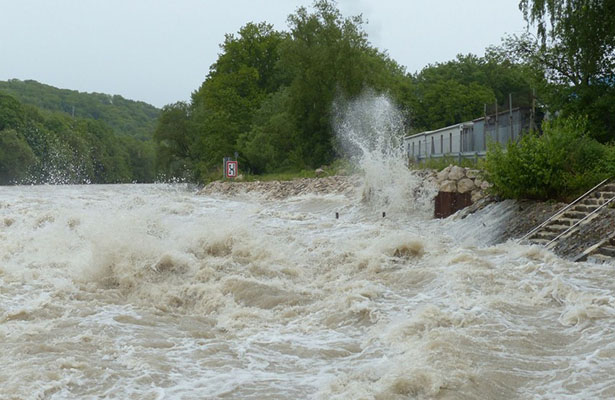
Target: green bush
560, 163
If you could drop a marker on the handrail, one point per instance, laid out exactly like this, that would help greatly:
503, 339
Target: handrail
564, 209
581, 220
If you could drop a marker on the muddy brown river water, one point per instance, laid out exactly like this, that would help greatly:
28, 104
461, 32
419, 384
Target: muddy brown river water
154, 292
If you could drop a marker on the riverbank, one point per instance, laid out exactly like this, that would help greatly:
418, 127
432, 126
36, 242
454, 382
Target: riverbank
275, 190
525, 214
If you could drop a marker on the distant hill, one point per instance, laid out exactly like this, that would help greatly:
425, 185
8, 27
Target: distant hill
130, 118
43, 146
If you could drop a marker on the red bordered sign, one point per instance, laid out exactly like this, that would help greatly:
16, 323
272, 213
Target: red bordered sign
232, 169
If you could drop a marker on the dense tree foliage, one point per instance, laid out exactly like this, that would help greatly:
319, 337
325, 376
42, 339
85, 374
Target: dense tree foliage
126, 117
457, 90
39, 146
270, 95
575, 48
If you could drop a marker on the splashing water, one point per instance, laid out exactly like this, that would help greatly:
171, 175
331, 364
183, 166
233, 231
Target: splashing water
152, 292
370, 130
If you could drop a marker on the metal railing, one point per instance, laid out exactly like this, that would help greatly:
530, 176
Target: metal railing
458, 156
563, 210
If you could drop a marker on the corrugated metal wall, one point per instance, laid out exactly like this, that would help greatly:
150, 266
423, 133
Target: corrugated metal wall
468, 139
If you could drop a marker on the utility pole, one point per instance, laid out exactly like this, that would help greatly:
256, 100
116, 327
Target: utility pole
533, 112
510, 117
485, 126
497, 131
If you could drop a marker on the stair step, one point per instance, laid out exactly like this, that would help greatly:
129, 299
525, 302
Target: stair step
591, 202
567, 221
599, 259
607, 251
556, 228
541, 242
575, 215
545, 235
584, 208
606, 194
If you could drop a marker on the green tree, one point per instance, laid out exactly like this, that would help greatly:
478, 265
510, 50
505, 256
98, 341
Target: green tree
16, 157
328, 56
576, 49
270, 145
173, 140
223, 107
11, 113
456, 91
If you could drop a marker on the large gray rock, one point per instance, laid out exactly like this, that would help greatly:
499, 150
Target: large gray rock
465, 185
442, 175
456, 173
477, 195
448, 186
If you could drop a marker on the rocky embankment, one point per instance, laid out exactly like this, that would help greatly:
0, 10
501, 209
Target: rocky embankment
338, 184
462, 180
525, 216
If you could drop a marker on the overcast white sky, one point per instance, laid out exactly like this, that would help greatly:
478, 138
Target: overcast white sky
159, 51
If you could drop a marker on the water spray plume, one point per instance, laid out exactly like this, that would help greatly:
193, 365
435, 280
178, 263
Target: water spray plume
370, 131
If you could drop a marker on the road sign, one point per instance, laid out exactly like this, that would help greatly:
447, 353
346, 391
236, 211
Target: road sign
232, 169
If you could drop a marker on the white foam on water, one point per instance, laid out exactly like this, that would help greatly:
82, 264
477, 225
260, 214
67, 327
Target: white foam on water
149, 291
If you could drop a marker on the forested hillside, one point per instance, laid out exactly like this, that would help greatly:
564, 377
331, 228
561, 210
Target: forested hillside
129, 118
270, 94
39, 146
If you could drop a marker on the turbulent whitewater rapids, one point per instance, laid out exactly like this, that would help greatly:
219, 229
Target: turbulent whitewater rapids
154, 292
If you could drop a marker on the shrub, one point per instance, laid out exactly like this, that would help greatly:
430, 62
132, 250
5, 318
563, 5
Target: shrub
560, 163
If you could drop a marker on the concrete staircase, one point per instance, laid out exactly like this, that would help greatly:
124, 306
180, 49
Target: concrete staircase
567, 220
